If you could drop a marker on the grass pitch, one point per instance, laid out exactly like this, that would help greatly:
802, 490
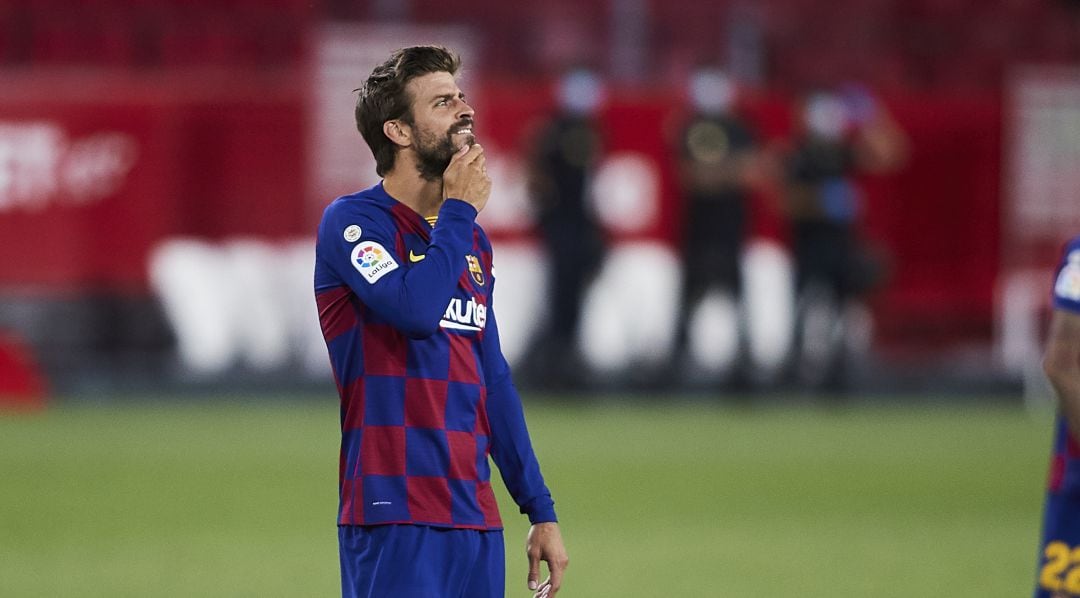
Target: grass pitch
238, 499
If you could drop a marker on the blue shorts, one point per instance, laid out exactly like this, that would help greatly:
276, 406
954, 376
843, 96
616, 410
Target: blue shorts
1059, 553
417, 561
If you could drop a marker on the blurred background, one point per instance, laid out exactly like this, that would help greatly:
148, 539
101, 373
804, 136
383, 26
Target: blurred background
165, 163
734, 201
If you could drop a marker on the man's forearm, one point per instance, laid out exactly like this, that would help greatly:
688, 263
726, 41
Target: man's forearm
1062, 365
1067, 388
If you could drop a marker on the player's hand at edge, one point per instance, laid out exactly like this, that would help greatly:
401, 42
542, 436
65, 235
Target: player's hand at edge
545, 543
466, 178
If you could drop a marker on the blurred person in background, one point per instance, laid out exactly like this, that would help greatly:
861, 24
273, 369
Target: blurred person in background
1057, 576
562, 159
716, 149
845, 133
403, 281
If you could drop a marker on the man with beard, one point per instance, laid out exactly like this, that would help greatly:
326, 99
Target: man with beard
403, 282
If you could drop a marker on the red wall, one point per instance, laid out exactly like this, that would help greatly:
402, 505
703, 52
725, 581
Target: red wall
211, 158
224, 155
940, 219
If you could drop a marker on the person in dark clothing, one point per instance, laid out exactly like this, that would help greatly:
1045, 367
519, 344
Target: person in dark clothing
844, 135
716, 150
564, 155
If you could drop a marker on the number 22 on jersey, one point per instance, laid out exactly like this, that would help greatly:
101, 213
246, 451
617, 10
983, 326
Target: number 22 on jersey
1060, 571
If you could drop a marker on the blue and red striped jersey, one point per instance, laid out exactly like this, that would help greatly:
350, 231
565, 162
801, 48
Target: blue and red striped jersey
426, 394
1065, 461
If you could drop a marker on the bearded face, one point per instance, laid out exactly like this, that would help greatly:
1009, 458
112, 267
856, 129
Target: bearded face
434, 150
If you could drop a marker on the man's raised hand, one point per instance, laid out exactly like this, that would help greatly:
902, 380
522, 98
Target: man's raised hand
466, 177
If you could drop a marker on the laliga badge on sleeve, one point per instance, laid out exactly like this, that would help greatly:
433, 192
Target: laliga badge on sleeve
373, 261
352, 233
1068, 282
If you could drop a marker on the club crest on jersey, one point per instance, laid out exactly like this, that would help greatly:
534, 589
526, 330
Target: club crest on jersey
475, 270
373, 261
1068, 282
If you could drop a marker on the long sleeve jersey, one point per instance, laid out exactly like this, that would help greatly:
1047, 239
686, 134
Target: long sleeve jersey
426, 394
1065, 461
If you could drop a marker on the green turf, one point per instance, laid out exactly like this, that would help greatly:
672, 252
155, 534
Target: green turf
238, 499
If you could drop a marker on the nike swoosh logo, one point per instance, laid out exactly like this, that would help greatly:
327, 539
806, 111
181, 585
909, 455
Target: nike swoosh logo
416, 258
